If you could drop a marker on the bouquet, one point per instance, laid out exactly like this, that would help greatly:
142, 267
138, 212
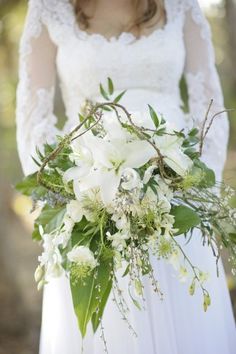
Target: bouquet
118, 189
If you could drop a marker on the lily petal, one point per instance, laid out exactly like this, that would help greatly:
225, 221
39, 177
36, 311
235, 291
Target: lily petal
178, 161
109, 186
137, 153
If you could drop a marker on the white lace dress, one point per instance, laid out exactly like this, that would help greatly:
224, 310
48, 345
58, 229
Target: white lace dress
150, 69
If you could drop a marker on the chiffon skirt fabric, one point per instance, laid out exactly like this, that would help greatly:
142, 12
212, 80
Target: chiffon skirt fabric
176, 324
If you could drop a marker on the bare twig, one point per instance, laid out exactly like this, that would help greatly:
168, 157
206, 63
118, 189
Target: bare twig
204, 130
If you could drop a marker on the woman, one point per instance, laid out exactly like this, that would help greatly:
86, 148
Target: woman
144, 46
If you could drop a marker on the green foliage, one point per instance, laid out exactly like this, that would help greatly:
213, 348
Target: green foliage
97, 315
103, 92
84, 232
118, 98
106, 93
208, 176
110, 86
50, 219
185, 218
154, 116
29, 186
90, 295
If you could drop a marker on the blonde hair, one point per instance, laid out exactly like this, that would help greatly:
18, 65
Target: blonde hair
142, 17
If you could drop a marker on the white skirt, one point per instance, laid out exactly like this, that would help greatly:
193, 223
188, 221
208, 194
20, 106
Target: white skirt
175, 325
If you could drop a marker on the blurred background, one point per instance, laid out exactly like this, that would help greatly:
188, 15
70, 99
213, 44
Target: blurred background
20, 302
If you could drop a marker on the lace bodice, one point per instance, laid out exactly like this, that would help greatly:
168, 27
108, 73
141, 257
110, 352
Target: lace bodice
149, 67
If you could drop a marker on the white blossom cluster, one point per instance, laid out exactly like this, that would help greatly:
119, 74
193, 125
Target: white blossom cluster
116, 172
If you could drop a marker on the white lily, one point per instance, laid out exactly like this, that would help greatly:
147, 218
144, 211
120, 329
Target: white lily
83, 159
114, 129
111, 159
174, 157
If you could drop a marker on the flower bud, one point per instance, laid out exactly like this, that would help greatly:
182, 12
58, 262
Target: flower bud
206, 302
40, 284
39, 273
192, 288
138, 287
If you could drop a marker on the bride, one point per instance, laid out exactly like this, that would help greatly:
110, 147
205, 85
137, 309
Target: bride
145, 46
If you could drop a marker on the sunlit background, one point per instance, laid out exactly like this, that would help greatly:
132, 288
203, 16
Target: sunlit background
19, 300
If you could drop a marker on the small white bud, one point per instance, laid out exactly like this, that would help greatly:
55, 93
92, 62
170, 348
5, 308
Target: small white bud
39, 273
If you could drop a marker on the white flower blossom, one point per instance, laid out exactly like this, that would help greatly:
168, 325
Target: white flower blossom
130, 179
148, 174
51, 257
183, 274
83, 256
74, 210
111, 158
174, 157
119, 239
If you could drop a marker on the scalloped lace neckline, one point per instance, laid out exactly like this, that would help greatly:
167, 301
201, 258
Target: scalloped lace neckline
124, 37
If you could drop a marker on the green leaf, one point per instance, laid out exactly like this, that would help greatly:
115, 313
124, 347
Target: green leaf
190, 141
232, 237
36, 234
160, 131
110, 86
126, 271
103, 92
106, 109
81, 118
192, 153
163, 121
87, 298
193, 132
185, 218
79, 234
29, 185
208, 179
180, 133
135, 302
38, 152
50, 218
118, 98
154, 116
36, 161
101, 306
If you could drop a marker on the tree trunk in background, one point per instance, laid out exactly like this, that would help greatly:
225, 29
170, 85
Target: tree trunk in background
230, 12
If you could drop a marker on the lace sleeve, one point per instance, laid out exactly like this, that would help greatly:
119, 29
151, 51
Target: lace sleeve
203, 85
35, 120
